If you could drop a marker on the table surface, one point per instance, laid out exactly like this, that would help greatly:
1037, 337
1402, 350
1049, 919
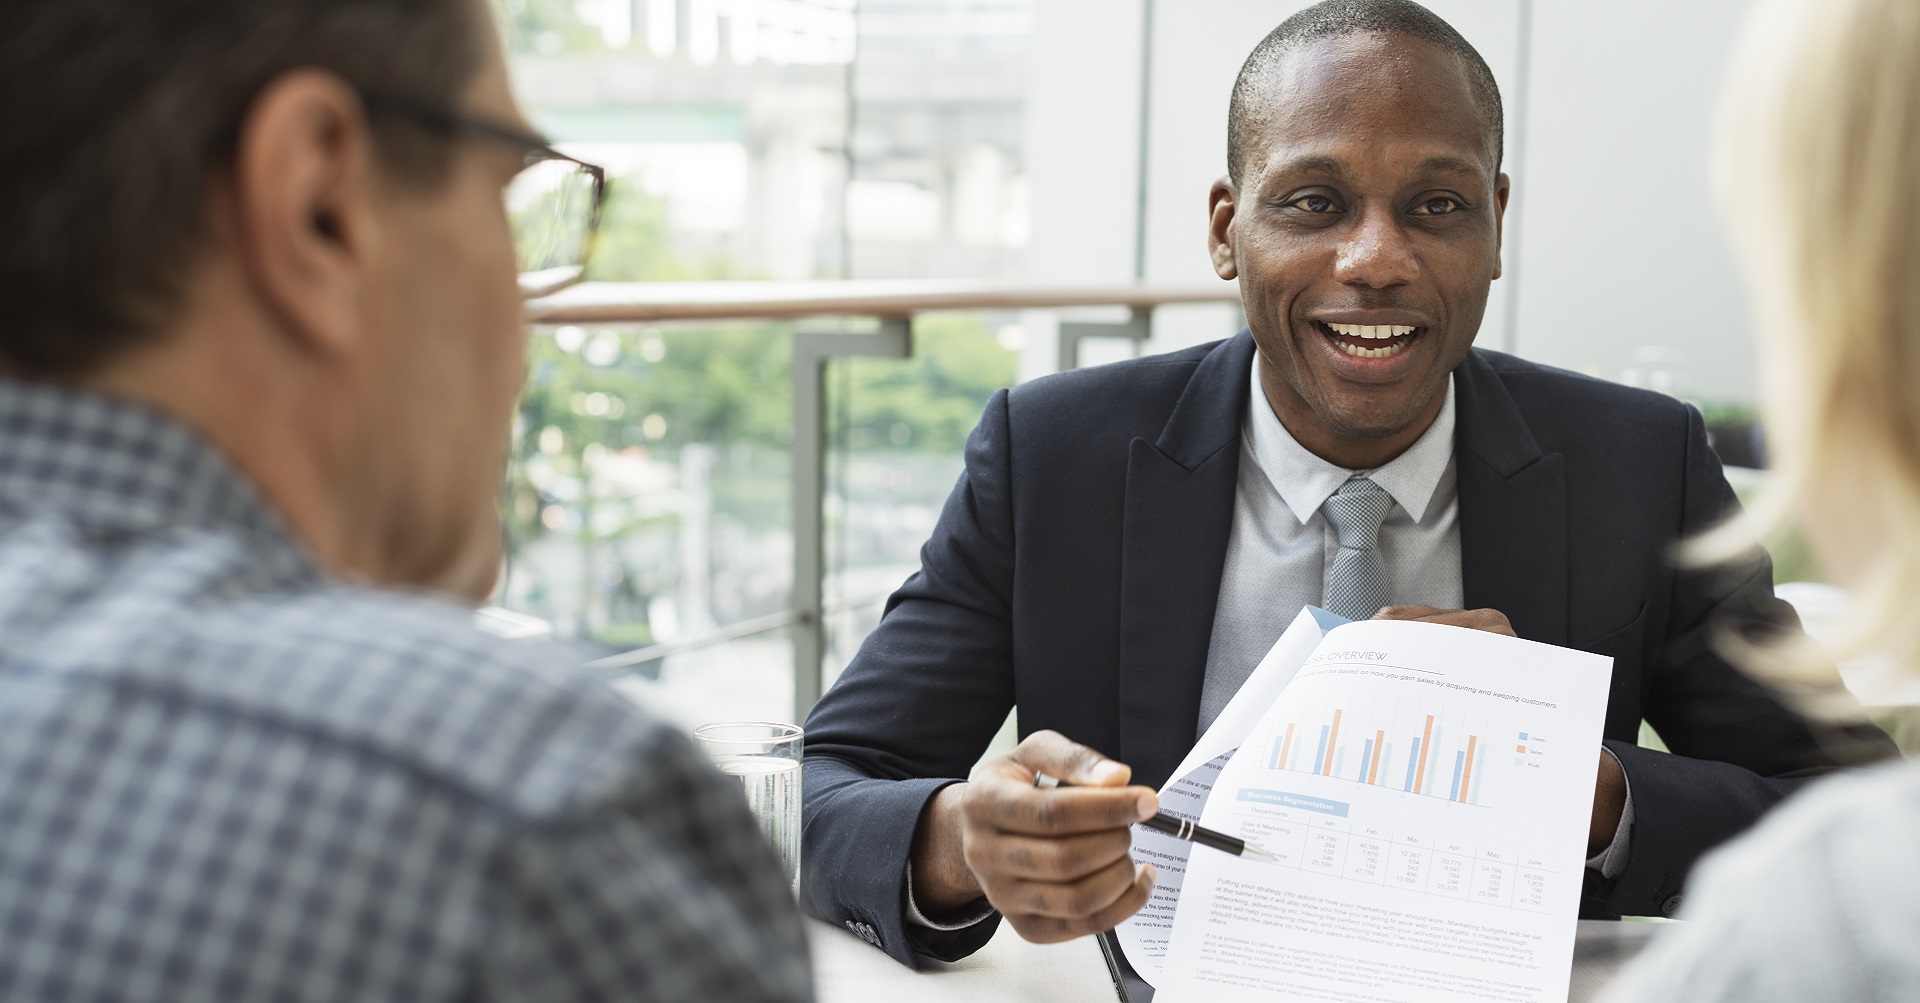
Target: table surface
847, 970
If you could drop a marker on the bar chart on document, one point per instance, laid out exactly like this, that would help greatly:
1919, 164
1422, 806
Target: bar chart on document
1400, 794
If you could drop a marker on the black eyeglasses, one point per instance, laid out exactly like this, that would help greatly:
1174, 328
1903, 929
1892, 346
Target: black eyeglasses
554, 203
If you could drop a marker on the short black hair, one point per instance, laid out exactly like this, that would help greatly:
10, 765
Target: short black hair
1338, 19
115, 115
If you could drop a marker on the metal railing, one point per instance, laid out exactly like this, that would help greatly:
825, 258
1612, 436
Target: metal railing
894, 304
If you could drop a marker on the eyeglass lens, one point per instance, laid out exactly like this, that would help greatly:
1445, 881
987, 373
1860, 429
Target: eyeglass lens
551, 207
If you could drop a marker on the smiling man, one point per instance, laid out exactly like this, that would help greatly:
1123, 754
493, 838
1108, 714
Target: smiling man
1127, 542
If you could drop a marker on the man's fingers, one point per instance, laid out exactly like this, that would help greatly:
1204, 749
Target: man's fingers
1065, 900
1127, 904
1006, 804
1062, 758
1063, 858
1490, 620
1051, 930
1004, 799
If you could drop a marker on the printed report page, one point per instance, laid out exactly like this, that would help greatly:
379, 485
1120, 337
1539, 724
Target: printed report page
1427, 790
1143, 936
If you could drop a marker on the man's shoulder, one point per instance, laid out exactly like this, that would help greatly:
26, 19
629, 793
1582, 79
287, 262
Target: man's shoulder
1593, 420
410, 683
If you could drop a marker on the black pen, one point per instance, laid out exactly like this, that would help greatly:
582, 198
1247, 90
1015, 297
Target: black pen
1180, 828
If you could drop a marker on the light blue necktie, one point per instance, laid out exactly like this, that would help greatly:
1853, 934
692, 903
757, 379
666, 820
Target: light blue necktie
1356, 582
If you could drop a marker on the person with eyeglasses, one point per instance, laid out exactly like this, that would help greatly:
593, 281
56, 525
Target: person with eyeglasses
262, 277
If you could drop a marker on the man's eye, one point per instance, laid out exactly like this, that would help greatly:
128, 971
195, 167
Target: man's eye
1313, 204
1438, 207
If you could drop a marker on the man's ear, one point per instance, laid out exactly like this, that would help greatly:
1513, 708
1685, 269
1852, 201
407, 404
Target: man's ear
1220, 228
1502, 189
303, 188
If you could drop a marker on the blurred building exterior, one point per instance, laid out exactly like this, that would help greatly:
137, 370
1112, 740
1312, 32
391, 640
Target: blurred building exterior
737, 113
1054, 141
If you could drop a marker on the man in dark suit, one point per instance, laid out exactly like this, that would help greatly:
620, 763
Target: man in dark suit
1126, 542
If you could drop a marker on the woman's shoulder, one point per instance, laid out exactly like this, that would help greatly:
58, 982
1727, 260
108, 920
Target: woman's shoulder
1856, 824
1840, 853
1820, 901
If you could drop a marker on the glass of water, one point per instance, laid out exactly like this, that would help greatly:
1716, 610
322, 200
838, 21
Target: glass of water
765, 756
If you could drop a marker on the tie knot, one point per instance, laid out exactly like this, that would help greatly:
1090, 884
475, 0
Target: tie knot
1356, 511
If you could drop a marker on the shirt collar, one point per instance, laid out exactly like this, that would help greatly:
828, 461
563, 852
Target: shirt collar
1305, 481
113, 465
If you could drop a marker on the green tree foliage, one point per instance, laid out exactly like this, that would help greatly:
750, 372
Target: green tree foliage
928, 403
729, 384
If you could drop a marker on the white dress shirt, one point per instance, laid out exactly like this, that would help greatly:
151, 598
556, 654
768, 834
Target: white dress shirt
1282, 543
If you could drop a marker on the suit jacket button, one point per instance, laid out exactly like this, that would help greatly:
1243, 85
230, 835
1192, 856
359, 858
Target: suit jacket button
1671, 905
864, 932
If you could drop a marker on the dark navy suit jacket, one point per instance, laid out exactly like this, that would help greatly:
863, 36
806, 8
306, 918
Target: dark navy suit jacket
1074, 571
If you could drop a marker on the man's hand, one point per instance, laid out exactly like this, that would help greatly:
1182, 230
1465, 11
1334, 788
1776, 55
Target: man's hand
1054, 862
1491, 620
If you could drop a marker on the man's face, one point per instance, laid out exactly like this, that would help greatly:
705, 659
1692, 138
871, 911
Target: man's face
449, 353
1365, 230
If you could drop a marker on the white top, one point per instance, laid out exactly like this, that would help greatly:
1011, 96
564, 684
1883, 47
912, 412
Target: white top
1820, 902
1282, 543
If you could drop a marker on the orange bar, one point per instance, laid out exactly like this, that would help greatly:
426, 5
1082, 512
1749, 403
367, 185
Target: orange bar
1333, 742
1466, 776
1286, 748
1373, 768
1420, 769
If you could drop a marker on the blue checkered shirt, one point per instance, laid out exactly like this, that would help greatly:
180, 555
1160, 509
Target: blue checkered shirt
225, 777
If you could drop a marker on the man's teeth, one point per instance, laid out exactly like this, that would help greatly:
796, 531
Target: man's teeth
1371, 332
1372, 353
1377, 332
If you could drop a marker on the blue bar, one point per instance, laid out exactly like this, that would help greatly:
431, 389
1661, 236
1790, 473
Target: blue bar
1413, 759
1275, 764
1366, 756
1286, 799
1459, 760
1320, 758
1479, 771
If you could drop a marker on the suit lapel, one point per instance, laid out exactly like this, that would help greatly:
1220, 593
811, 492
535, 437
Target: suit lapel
1178, 517
1513, 509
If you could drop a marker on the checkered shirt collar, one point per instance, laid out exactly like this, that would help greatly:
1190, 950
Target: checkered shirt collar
110, 464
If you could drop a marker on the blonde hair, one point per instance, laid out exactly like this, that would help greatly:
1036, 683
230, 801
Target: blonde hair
1817, 168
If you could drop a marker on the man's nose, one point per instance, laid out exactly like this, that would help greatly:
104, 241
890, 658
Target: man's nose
1375, 253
